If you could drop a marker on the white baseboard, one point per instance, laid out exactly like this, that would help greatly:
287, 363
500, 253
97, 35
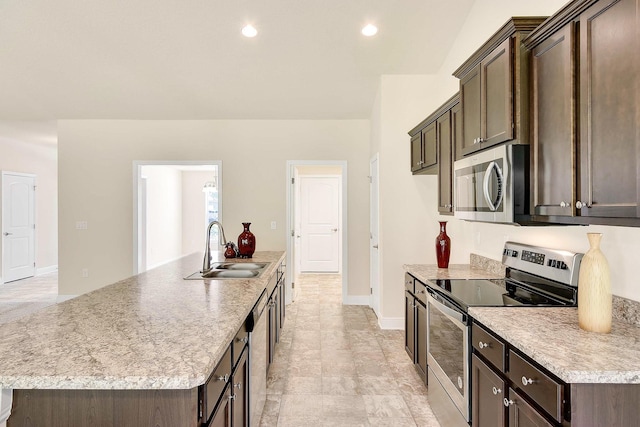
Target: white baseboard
62, 298
356, 300
6, 396
396, 323
46, 270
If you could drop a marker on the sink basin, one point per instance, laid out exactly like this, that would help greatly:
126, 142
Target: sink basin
230, 270
240, 266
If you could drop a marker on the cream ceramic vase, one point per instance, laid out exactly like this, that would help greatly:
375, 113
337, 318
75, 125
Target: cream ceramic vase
594, 289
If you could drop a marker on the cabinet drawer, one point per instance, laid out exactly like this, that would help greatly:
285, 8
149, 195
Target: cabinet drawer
421, 292
239, 342
489, 346
216, 383
545, 391
408, 283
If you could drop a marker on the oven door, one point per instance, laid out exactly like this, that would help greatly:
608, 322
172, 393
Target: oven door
448, 350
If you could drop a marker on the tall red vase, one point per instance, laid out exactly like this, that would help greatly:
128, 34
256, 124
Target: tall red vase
246, 242
443, 246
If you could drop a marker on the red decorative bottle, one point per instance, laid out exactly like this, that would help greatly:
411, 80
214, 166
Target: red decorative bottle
246, 242
443, 246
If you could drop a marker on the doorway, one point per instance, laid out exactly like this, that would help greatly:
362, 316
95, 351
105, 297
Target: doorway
173, 203
316, 221
18, 226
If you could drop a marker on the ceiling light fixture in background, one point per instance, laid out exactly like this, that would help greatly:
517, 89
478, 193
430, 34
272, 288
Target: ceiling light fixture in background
370, 30
249, 31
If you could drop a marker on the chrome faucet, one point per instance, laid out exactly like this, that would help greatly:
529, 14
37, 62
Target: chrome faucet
206, 264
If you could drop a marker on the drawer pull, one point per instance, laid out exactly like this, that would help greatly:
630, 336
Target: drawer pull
526, 381
224, 378
232, 397
483, 345
237, 385
243, 340
496, 391
421, 291
507, 402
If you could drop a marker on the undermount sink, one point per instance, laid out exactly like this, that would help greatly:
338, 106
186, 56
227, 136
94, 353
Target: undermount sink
240, 266
230, 270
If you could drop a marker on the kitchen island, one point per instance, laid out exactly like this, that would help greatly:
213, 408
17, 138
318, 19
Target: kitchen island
151, 337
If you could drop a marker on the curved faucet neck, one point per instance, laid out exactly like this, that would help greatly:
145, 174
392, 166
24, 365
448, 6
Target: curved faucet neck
206, 264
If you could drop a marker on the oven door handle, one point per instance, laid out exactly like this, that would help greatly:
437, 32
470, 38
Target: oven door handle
449, 312
485, 187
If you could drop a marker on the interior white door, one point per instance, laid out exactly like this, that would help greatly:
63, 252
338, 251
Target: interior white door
320, 224
18, 226
374, 251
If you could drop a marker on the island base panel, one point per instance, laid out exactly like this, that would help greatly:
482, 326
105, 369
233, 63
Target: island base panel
104, 408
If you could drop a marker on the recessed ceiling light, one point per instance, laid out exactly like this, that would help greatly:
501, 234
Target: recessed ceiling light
369, 30
249, 31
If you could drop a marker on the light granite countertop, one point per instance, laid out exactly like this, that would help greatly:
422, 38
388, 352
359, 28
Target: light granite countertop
150, 331
551, 336
426, 272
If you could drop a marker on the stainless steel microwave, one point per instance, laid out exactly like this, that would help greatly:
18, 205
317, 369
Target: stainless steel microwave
493, 185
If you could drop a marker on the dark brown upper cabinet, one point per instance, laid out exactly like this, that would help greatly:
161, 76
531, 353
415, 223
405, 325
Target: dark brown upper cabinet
494, 89
433, 146
586, 114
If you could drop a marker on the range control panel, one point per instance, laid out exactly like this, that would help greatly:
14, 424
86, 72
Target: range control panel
554, 264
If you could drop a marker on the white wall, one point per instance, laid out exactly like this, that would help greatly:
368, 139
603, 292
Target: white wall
96, 173
408, 204
164, 214
193, 211
41, 160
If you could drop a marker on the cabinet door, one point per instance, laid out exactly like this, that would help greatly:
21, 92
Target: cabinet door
430, 145
487, 395
222, 416
554, 124
470, 101
456, 131
421, 340
522, 414
445, 163
240, 392
610, 109
416, 152
497, 95
271, 329
409, 325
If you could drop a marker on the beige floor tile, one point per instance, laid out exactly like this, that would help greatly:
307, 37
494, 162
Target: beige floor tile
377, 386
338, 368
389, 406
298, 421
303, 385
339, 386
345, 422
300, 405
392, 422
343, 406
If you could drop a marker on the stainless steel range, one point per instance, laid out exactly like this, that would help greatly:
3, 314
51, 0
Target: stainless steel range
535, 276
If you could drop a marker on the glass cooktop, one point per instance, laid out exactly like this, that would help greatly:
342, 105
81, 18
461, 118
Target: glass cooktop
487, 293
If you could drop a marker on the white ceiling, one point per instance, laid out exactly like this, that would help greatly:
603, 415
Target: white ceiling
177, 59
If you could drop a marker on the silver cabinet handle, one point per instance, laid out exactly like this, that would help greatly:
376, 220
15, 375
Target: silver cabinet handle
564, 204
224, 378
507, 402
238, 385
579, 205
421, 291
483, 345
243, 340
496, 391
7, 234
232, 397
376, 247
448, 206
334, 229
526, 381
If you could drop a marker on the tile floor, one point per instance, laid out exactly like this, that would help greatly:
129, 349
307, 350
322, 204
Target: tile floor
335, 367
25, 296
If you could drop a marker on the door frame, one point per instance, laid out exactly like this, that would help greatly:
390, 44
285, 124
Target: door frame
292, 199
374, 301
3, 219
139, 212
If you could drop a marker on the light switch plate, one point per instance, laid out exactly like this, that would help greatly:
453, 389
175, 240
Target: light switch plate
273, 225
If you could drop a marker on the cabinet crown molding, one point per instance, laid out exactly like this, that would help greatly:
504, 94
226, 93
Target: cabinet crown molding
433, 116
514, 25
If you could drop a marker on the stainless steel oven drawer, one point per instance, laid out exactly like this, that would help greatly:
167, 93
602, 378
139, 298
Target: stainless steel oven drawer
489, 346
542, 389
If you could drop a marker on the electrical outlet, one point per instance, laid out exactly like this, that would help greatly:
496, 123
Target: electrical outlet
81, 225
85, 272
273, 225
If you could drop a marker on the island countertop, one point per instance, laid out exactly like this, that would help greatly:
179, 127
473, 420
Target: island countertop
552, 337
150, 331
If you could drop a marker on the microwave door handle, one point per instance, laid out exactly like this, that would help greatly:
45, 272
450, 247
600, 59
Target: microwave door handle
485, 187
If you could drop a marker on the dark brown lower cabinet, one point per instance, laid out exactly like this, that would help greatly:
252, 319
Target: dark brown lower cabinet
409, 325
421, 339
222, 414
488, 393
240, 391
415, 325
522, 414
